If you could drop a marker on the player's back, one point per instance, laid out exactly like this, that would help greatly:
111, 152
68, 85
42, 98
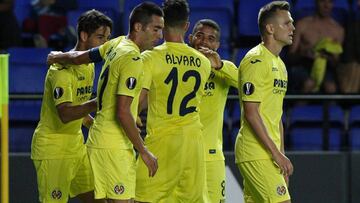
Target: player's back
175, 75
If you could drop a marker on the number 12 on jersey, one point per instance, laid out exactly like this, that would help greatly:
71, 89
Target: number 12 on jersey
173, 78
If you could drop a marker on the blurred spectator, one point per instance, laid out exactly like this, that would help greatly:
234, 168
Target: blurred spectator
350, 67
49, 23
9, 28
314, 55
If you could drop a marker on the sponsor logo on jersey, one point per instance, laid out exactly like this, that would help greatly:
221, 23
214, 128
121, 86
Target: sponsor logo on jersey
209, 86
80, 78
248, 88
119, 189
136, 58
255, 61
281, 190
212, 151
131, 83
56, 194
58, 92
83, 90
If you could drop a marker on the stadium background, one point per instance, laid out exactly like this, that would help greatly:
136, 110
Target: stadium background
322, 138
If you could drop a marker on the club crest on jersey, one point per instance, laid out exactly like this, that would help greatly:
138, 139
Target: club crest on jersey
281, 190
131, 83
56, 194
119, 189
58, 92
248, 88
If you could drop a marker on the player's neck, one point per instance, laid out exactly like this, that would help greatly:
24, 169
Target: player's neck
173, 35
273, 47
79, 47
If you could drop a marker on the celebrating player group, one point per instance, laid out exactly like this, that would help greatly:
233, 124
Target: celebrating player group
183, 85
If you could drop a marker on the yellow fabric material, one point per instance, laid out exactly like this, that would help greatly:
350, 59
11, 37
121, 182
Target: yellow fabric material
319, 65
121, 74
114, 173
59, 179
263, 182
263, 79
212, 108
52, 138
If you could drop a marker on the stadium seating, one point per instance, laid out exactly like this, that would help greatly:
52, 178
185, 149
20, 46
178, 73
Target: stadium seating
240, 53
354, 138
20, 135
27, 70
311, 138
220, 11
306, 127
247, 16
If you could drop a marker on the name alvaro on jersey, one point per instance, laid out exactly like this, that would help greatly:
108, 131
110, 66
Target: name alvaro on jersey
182, 60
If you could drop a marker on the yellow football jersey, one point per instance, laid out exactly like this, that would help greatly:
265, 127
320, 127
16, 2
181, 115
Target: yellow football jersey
175, 75
53, 139
263, 79
120, 75
212, 108
107, 49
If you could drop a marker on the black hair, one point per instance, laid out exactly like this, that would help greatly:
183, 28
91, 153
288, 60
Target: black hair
268, 11
92, 20
142, 14
176, 13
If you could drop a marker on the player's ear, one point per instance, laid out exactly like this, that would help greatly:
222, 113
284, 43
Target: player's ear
137, 27
270, 28
190, 38
83, 36
186, 26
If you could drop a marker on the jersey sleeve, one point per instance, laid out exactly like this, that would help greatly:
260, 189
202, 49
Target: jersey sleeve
130, 73
252, 75
61, 85
229, 73
147, 71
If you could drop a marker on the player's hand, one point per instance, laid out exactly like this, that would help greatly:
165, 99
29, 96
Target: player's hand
51, 57
213, 56
150, 161
285, 165
286, 180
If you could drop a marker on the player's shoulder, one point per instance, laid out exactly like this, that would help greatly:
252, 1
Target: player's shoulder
255, 55
229, 64
58, 71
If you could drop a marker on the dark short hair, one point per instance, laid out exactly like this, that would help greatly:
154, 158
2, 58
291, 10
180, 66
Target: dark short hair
268, 11
176, 12
207, 22
142, 14
92, 20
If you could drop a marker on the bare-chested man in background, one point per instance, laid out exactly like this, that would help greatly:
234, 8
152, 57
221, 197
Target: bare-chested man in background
309, 31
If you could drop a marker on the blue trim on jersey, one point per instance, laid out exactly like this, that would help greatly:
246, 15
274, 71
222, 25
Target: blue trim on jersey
94, 55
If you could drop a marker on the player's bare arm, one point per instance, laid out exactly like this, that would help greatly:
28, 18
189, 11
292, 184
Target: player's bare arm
68, 112
71, 57
252, 115
127, 121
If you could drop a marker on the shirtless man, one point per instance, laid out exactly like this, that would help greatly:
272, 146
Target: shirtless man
309, 31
